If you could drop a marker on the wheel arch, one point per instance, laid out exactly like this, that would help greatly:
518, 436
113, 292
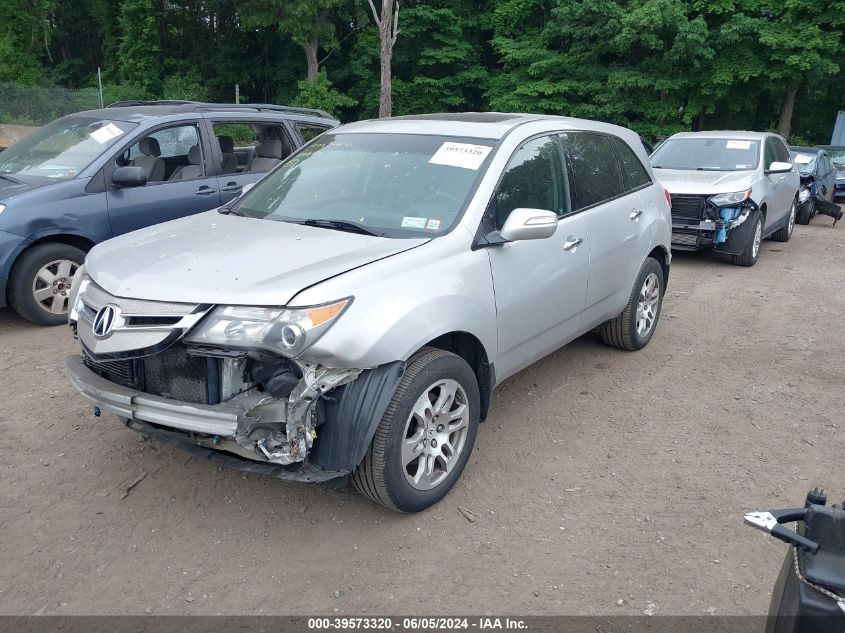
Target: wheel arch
471, 349
661, 254
71, 239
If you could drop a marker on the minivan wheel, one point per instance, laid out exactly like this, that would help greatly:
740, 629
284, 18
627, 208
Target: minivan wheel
426, 435
785, 232
749, 255
39, 286
633, 329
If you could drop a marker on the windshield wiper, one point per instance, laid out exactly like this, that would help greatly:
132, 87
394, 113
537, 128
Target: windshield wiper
9, 178
341, 225
231, 211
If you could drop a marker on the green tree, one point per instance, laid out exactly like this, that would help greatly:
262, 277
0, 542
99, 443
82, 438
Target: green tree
139, 51
24, 39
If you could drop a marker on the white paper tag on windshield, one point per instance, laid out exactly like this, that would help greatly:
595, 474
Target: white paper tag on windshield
465, 155
106, 133
738, 145
803, 159
410, 222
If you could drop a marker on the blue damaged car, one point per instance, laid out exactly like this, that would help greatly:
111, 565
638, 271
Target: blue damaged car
93, 175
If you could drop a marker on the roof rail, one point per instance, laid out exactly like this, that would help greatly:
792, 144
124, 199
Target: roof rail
142, 102
199, 106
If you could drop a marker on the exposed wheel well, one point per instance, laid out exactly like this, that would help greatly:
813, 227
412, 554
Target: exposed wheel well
472, 351
661, 255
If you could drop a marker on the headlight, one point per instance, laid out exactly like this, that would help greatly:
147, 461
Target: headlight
804, 194
730, 199
80, 282
2, 208
286, 331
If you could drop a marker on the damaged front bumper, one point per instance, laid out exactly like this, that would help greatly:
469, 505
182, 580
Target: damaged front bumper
257, 426
723, 229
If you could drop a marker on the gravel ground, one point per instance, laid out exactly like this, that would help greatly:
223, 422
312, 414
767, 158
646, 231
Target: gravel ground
600, 476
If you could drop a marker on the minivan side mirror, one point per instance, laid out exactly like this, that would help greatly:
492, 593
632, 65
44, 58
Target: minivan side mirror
129, 177
779, 167
529, 224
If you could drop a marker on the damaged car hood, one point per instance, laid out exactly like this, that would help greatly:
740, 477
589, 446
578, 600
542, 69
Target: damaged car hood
227, 259
682, 181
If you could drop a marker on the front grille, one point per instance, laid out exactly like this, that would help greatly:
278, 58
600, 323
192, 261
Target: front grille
122, 372
688, 207
172, 374
685, 239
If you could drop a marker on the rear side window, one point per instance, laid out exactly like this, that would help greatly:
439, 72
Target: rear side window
595, 174
633, 171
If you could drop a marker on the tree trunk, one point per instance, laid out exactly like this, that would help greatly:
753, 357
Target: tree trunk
310, 47
388, 29
786, 110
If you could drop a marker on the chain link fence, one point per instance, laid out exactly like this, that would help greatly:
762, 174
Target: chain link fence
37, 105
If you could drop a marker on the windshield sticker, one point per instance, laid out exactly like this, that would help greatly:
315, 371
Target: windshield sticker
409, 222
738, 145
464, 155
803, 159
106, 133
433, 224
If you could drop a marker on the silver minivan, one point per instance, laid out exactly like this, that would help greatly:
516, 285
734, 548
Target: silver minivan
353, 312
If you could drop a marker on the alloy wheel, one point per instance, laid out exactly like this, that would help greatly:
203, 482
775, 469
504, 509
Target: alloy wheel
51, 286
435, 434
758, 239
647, 304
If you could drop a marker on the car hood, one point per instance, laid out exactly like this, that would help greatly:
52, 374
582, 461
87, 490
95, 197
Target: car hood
227, 259
683, 181
9, 188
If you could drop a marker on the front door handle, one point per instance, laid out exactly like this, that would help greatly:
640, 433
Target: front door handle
572, 242
635, 214
205, 191
232, 186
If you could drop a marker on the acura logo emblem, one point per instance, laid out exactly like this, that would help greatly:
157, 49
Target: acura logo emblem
105, 320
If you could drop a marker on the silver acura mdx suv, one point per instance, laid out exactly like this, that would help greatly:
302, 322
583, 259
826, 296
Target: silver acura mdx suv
353, 312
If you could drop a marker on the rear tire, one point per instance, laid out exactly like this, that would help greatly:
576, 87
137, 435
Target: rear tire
748, 257
633, 329
39, 286
415, 432
785, 232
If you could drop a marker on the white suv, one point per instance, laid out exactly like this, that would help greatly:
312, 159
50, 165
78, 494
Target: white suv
353, 312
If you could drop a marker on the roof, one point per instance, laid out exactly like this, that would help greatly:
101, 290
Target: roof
730, 134
482, 125
137, 111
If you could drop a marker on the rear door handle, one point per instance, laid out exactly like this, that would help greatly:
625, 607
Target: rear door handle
572, 242
205, 191
232, 186
635, 214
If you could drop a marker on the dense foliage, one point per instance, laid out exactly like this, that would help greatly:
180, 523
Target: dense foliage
655, 65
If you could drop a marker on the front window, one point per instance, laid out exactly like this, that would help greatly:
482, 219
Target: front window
707, 154
396, 185
63, 148
805, 162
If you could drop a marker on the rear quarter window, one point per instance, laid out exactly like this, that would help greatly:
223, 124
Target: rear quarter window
634, 172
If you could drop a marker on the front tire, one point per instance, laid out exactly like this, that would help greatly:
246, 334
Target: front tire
748, 257
633, 329
39, 286
425, 437
784, 233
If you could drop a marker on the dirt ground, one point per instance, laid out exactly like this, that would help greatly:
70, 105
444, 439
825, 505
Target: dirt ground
599, 476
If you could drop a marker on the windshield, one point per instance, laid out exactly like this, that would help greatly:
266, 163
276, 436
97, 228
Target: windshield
806, 162
63, 148
706, 154
837, 155
396, 185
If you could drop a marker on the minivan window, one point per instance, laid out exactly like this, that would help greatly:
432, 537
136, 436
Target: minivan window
533, 179
62, 149
635, 174
397, 185
707, 154
596, 176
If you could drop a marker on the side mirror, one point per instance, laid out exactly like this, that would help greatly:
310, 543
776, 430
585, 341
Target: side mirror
129, 177
778, 167
529, 224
